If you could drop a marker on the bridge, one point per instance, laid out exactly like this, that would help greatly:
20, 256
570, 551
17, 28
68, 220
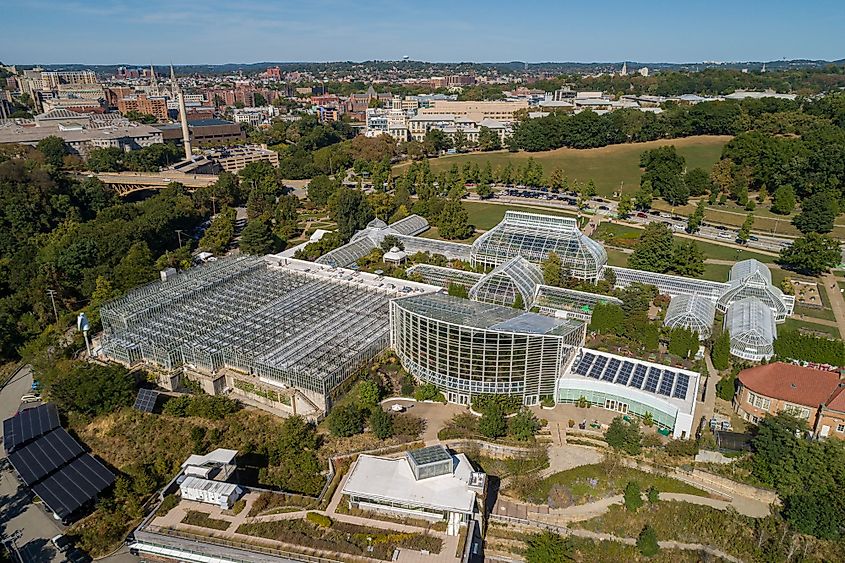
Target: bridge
125, 183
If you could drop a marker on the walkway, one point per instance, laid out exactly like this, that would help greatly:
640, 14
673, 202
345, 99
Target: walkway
837, 301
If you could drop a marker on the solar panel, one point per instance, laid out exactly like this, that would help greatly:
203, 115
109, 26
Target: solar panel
624, 373
639, 375
651, 380
610, 372
74, 485
29, 424
666, 383
39, 458
601, 361
681, 386
584, 363
146, 400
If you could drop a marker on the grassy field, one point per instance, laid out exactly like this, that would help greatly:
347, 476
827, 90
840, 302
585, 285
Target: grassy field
485, 216
808, 325
609, 167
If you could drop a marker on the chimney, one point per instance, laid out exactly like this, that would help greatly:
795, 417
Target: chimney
183, 115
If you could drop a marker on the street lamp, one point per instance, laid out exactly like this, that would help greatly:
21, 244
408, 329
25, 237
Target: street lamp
179, 234
84, 326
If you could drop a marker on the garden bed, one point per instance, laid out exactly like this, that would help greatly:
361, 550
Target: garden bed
204, 520
342, 537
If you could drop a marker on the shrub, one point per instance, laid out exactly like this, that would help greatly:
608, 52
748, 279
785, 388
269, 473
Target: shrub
211, 407
571, 423
547, 402
318, 519
680, 448
507, 403
624, 436
345, 421
523, 426
381, 424
653, 495
238, 507
633, 496
548, 546
428, 392
167, 504
493, 423
647, 542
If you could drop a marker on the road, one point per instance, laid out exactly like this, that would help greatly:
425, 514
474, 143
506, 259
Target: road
719, 234
156, 179
17, 512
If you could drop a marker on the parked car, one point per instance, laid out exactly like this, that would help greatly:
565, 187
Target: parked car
61, 542
398, 408
752, 237
642, 215
30, 398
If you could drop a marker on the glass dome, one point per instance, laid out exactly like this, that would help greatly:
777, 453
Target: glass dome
751, 325
693, 312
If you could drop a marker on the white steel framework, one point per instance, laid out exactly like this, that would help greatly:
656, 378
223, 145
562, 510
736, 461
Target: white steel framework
750, 278
692, 312
752, 329
501, 286
533, 237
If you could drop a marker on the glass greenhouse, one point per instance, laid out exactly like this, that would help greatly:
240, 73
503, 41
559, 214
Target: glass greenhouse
579, 304
467, 348
501, 286
692, 312
751, 325
533, 237
442, 276
750, 278
669, 284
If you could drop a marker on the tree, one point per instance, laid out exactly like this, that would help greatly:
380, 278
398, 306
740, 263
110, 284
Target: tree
546, 547
53, 149
607, 318
647, 542
488, 140
345, 421
633, 496
654, 252
459, 141
381, 424
817, 214
523, 425
698, 182
457, 290
783, 200
484, 190
745, 229
625, 207
136, 268
436, 141
697, 217
643, 198
92, 389
257, 237
493, 423
624, 436
726, 388
652, 494
552, 270
453, 222
720, 352
811, 255
557, 180
350, 210
683, 342
518, 302
688, 259
369, 394
320, 189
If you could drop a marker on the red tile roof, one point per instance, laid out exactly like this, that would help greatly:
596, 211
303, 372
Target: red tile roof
837, 400
791, 383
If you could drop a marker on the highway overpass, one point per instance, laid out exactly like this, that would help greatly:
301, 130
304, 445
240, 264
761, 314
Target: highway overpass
127, 182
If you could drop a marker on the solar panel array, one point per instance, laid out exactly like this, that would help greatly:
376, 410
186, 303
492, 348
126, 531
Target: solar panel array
653, 379
29, 424
52, 462
146, 400
40, 457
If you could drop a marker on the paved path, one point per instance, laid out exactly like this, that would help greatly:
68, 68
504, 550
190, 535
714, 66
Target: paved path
568, 456
837, 301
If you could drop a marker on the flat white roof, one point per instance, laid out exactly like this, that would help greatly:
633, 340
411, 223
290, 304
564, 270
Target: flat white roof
219, 456
391, 480
214, 487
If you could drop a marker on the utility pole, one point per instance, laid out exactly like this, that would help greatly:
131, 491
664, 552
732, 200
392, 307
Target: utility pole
214, 205
52, 294
179, 234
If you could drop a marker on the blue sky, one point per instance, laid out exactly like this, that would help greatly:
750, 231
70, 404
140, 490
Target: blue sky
158, 31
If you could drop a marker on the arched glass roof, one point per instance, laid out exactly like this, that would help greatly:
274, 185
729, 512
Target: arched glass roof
751, 325
502, 284
533, 237
693, 312
750, 278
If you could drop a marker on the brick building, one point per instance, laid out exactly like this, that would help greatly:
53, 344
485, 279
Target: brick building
149, 105
813, 395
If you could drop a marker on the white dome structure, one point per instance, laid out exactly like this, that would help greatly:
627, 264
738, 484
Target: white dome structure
501, 286
751, 278
752, 329
693, 312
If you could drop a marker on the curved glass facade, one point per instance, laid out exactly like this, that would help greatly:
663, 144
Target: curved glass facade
750, 278
501, 286
533, 237
467, 348
752, 329
692, 312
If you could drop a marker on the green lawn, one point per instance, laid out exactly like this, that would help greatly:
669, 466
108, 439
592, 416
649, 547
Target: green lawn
485, 216
826, 314
716, 272
609, 167
616, 257
588, 483
720, 252
808, 325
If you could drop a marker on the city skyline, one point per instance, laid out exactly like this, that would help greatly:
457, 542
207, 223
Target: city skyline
330, 31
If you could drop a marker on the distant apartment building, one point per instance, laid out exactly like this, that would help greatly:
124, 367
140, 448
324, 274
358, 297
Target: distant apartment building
255, 116
393, 122
272, 73
82, 132
144, 104
235, 159
421, 124
452, 81
205, 132
327, 113
477, 111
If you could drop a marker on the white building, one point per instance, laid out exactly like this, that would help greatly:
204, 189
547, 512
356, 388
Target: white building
393, 122
429, 483
255, 116
218, 493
